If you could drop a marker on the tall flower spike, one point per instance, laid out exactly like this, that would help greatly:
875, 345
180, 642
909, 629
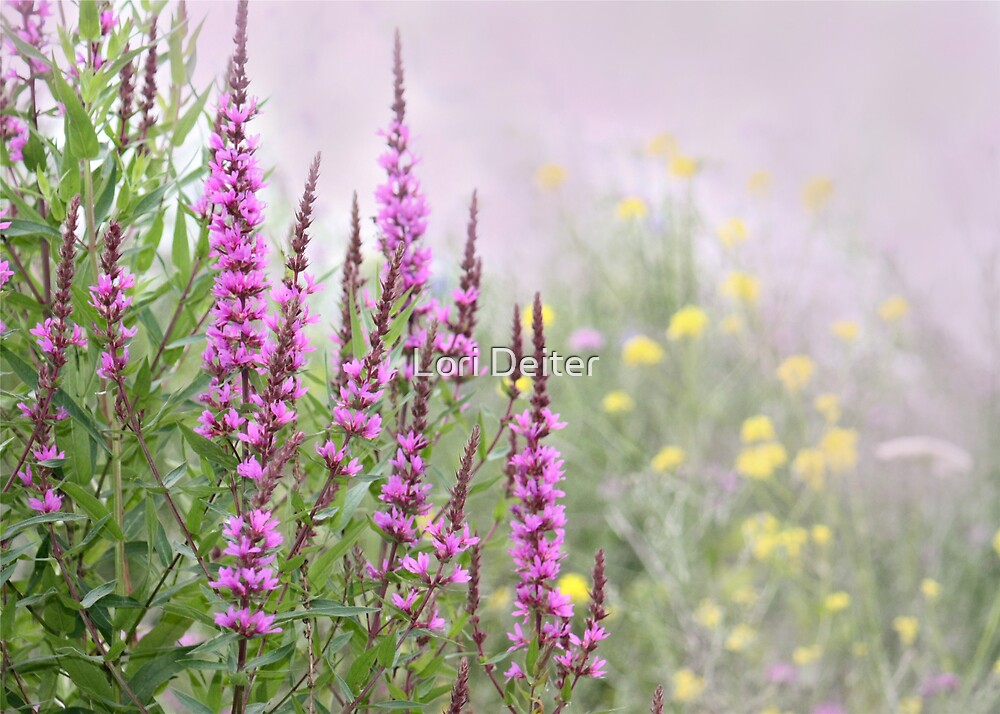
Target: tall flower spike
110, 300
149, 83
285, 357
236, 334
53, 337
459, 342
460, 690
126, 95
32, 32
657, 705
538, 520
579, 659
517, 350
350, 283
403, 211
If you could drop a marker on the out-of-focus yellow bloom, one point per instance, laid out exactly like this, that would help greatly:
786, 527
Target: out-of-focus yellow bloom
859, 649
759, 183
741, 286
845, 330
792, 540
708, 614
740, 638
575, 586
796, 372
662, 145
523, 386
996, 668
817, 193
821, 534
618, 402
837, 602
840, 449
810, 467
893, 308
930, 589
757, 428
550, 176
744, 596
806, 655
996, 542
690, 321
687, 686
907, 627
828, 404
641, 350
911, 705
732, 324
631, 207
732, 232
760, 462
668, 458
528, 316
683, 166
500, 599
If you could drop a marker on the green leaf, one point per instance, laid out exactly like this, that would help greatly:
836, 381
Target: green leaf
400, 322
192, 704
157, 672
399, 704
387, 650
90, 22
180, 251
41, 520
331, 609
358, 346
87, 677
324, 563
97, 593
208, 450
187, 122
81, 139
271, 657
91, 506
19, 227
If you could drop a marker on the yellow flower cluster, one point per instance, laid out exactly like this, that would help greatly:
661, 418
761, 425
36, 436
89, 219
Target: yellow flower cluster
828, 405
817, 193
550, 176
757, 428
682, 166
845, 330
767, 538
631, 207
930, 589
618, 402
575, 586
907, 627
688, 322
809, 467
741, 637
762, 455
837, 602
668, 458
893, 308
641, 350
803, 656
840, 449
528, 315
687, 686
732, 232
740, 286
796, 372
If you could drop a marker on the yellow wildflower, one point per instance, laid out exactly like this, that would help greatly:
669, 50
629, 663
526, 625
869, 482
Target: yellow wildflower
687, 686
732, 324
641, 350
840, 449
996, 668
683, 166
930, 588
708, 614
500, 599
668, 458
744, 596
732, 232
996, 542
828, 405
817, 193
550, 176
792, 540
759, 183
740, 638
631, 207
810, 467
661, 145
618, 402
528, 316
796, 372
523, 386
741, 286
757, 428
911, 705
845, 330
821, 534
837, 602
893, 308
575, 586
689, 321
907, 627
759, 462
806, 655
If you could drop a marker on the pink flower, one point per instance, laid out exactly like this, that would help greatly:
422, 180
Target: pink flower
246, 623
49, 504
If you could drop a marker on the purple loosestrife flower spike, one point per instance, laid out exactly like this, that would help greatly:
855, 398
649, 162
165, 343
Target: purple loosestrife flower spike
460, 690
403, 210
350, 283
110, 300
517, 350
285, 357
459, 342
236, 334
577, 661
657, 705
538, 519
148, 103
32, 32
53, 337
126, 96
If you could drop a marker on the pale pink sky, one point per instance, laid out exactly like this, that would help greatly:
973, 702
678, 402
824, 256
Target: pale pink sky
898, 103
